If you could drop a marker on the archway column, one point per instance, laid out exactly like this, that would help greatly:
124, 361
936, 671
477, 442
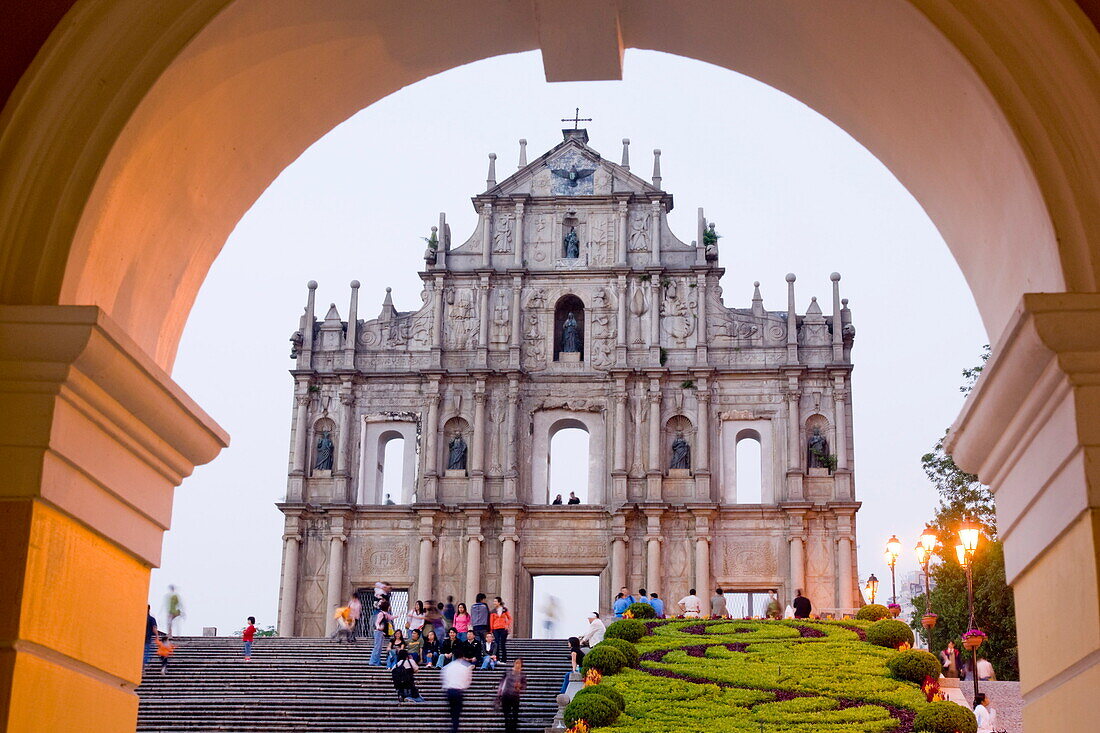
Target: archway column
335, 585
1030, 430
289, 586
94, 437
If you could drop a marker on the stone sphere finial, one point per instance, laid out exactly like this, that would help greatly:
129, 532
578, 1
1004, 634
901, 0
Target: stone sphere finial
492, 156
435, 229
756, 284
844, 302
813, 298
790, 277
388, 289
355, 284
656, 151
835, 277
523, 141
312, 284
626, 141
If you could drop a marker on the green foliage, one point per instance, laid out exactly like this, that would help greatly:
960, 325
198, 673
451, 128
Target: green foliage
260, 631
664, 355
945, 717
890, 633
687, 384
596, 710
642, 610
606, 691
873, 612
607, 659
629, 651
627, 628
971, 375
913, 665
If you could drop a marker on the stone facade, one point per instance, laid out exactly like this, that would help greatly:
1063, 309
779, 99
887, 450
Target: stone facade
660, 355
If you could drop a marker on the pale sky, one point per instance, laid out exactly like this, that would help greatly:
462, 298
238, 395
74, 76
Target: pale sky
789, 190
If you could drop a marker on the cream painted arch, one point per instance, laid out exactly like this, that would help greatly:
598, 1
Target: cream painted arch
989, 113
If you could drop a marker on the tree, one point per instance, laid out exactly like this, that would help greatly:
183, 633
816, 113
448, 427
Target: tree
963, 496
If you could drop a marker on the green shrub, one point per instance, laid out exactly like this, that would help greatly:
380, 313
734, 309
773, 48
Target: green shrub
945, 717
642, 610
596, 710
913, 665
873, 612
607, 659
889, 632
605, 691
627, 628
629, 651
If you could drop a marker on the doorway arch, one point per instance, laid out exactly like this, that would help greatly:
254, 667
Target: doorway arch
1000, 150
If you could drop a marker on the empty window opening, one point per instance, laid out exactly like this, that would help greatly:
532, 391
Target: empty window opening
561, 604
748, 470
392, 470
568, 468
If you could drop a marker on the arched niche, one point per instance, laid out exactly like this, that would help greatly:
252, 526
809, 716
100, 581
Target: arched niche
819, 422
322, 427
677, 425
568, 304
456, 426
549, 422
377, 435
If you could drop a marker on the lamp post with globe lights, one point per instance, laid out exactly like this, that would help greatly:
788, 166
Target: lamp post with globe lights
872, 587
969, 532
893, 552
923, 550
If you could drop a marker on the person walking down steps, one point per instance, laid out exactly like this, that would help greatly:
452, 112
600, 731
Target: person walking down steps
455, 679
508, 695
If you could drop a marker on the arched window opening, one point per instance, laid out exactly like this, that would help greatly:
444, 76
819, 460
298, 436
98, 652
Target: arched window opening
568, 465
569, 329
391, 470
749, 486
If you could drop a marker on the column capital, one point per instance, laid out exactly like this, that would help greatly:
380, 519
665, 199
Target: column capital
292, 537
303, 400
347, 399
510, 537
339, 538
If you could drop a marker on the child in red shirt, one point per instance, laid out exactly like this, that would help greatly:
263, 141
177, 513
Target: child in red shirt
247, 636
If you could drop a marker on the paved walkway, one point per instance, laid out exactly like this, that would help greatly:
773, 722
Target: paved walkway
1006, 701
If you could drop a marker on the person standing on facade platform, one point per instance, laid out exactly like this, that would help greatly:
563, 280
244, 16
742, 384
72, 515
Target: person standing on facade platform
802, 605
500, 623
658, 605
557, 500
479, 617
455, 679
509, 693
573, 498
433, 616
718, 604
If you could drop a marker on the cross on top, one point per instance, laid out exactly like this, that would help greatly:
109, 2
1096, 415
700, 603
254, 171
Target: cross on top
576, 118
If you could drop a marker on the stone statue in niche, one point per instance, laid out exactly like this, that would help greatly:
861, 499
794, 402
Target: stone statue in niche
325, 452
639, 233
570, 336
817, 450
681, 453
572, 244
456, 457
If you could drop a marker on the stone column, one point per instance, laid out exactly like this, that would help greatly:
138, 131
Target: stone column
473, 567
508, 570
619, 460
621, 244
301, 431
334, 596
655, 315
618, 563
846, 581
798, 567
343, 454
477, 450
430, 429
840, 417
289, 598
620, 340
654, 463
437, 313
487, 235
517, 238
483, 321
511, 442
517, 286
702, 565
424, 569
702, 432
653, 564
655, 231
701, 327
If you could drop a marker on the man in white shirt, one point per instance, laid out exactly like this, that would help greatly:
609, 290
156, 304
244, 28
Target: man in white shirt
595, 632
691, 605
455, 679
985, 669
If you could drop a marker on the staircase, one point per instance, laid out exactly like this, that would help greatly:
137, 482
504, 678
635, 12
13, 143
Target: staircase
319, 685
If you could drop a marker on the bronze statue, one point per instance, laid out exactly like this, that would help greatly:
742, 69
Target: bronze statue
325, 453
456, 458
570, 336
817, 450
681, 453
572, 244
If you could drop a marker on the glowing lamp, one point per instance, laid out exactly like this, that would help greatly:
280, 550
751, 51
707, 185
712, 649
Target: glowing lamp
893, 546
960, 551
922, 553
968, 534
928, 540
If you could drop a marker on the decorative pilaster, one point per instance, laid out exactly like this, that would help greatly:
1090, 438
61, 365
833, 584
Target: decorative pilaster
343, 455
796, 527
483, 320
477, 450
486, 235
840, 416
794, 440
620, 249
517, 320
838, 326
655, 231
437, 320
353, 326
701, 358
792, 322
619, 557
654, 471
653, 541
702, 564
846, 581
334, 596
620, 397
621, 307
511, 443
301, 427
426, 560
655, 318
288, 601
517, 239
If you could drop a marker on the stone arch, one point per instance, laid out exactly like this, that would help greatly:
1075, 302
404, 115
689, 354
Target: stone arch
566, 304
733, 432
548, 422
377, 434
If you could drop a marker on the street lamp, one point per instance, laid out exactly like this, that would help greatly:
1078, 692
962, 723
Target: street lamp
923, 551
872, 587
969, 532
893, 552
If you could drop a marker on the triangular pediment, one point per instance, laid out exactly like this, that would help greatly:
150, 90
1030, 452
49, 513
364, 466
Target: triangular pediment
571, 168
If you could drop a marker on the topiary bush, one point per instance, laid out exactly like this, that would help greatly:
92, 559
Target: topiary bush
873, 612
945, 717
605, 691
594, 709
629, 651
641, 610
889, 632
627, 628
913, 665
607, 659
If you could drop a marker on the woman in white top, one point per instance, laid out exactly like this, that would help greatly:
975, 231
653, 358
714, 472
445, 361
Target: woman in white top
984, 712
414, 619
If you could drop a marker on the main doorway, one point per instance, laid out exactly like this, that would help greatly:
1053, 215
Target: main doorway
560, 604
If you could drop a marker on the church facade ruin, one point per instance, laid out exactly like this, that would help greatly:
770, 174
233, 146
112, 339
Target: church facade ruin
572, 305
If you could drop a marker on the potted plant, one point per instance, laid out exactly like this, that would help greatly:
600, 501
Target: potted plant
895, 610
973, 639
928, 620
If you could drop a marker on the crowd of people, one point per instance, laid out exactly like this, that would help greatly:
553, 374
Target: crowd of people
691, 605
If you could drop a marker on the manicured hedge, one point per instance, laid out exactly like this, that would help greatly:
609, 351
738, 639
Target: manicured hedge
873, 612
596, 710
913, 665
605, 691
607, 659
642, 610
945, 717
890, 633
629, 651
627, 628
